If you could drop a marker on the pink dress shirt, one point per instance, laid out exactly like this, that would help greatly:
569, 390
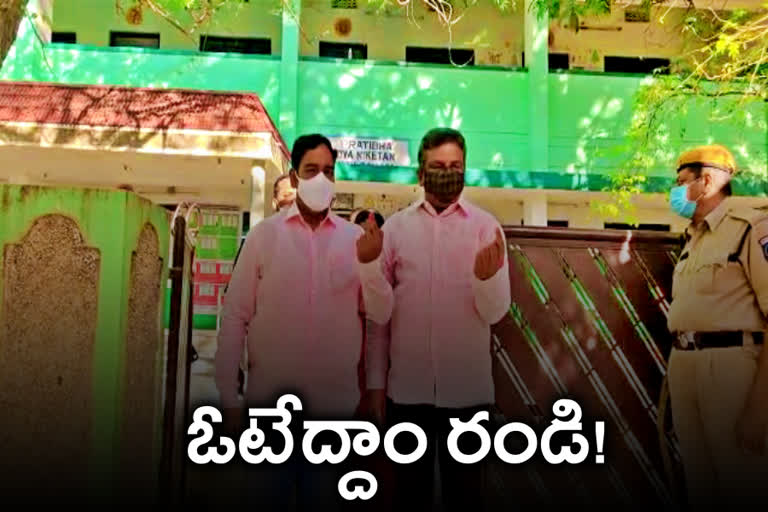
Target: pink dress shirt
294, 298
432, 341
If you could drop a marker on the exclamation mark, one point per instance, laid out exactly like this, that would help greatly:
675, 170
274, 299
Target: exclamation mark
599, 435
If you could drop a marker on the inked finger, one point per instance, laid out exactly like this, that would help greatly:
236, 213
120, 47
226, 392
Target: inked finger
370, 226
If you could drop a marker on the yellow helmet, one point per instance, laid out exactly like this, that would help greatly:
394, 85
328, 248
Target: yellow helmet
715, 156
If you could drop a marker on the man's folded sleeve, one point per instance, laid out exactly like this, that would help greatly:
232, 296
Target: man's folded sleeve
493, 296
378, 295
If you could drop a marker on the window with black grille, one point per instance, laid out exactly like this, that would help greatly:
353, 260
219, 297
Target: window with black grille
249, 45
426, 55
343, 50
638, 13
135, 39
64, 37
637, 65
556, 61
557, 223
343, 4
559, 62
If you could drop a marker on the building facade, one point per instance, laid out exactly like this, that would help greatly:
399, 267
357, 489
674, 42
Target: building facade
545, 106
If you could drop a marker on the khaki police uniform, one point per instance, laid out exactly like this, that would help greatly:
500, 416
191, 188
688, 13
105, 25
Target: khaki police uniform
719, 309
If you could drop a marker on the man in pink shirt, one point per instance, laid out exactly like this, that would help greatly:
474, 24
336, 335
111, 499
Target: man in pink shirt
434, 278
283, 193
294, 298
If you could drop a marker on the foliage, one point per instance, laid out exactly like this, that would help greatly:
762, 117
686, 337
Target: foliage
571, 11
449, 12
188, 16
11, 13
723, 69
624, 187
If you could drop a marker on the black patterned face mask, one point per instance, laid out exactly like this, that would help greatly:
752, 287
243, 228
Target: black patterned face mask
445, 186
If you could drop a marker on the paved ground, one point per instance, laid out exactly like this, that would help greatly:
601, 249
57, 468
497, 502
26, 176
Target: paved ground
202, 385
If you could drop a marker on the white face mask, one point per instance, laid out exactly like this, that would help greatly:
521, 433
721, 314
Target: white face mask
317, 192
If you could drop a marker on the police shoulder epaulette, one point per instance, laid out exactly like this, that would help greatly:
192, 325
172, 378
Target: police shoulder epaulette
755, 219
749, 215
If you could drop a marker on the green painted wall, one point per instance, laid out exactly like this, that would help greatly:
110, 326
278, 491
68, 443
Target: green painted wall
29, 60
109, 221
489, 106
586, 119
589, 114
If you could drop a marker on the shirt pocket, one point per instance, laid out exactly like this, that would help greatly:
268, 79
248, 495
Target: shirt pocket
343, 273
706, 274
457, 261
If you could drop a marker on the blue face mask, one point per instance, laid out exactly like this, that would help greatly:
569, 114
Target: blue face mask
679, 202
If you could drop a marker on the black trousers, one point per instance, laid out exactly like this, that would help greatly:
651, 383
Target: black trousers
463, 486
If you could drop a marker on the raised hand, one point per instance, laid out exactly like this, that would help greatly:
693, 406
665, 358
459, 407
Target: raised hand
490, 258
370, 243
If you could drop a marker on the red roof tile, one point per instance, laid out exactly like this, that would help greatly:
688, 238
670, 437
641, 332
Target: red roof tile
136, 107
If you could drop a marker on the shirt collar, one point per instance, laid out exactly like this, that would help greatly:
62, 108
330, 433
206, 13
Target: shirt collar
716, 216
461, 206
294, 213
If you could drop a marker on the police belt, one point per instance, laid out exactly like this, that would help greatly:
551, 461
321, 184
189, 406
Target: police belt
720, 339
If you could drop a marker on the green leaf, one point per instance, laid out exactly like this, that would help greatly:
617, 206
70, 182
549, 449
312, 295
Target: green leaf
721, 45
733, 49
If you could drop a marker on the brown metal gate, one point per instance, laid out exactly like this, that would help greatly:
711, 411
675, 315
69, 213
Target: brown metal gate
179, 360
588, 322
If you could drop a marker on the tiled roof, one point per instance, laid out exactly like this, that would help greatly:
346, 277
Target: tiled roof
135, 107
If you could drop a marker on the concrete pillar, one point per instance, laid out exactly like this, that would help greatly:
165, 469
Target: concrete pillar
289, 71
535, 209
537, 62
258, 194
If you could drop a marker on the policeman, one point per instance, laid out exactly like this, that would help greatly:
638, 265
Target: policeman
718, 370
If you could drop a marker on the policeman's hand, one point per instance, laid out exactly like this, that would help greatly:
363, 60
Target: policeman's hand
377, 405
491, 258
370, 243
752, 430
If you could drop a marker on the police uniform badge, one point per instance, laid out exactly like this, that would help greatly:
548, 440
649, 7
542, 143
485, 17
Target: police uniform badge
764, 244
761, 234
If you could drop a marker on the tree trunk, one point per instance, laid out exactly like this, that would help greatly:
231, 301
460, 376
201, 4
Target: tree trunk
11, 12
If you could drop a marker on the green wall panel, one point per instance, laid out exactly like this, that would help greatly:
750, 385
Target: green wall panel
587, 117
391, 100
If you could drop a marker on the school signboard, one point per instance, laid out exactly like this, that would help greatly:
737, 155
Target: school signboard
372, 151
